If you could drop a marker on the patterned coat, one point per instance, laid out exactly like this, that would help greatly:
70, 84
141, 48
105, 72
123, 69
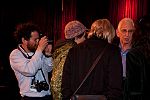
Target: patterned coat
59, 56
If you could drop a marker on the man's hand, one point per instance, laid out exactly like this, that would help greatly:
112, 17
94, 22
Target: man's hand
48, 50
42, 43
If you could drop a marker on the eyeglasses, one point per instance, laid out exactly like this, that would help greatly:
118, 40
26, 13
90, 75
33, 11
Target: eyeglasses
129, 31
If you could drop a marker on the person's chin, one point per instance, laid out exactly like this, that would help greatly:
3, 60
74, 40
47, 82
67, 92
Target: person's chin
33, 50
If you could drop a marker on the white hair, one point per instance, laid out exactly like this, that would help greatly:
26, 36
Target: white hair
125, 20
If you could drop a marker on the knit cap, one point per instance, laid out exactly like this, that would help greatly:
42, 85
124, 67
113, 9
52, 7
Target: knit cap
73, 29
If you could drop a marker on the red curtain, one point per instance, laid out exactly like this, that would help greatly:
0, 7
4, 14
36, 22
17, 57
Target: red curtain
55, 15
68, 13
127, 8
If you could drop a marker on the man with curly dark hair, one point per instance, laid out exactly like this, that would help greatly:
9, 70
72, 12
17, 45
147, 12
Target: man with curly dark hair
31, 61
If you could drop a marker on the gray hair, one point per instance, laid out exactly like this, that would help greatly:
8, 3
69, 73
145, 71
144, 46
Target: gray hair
125, 20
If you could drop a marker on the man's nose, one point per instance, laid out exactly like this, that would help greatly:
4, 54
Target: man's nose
127, 33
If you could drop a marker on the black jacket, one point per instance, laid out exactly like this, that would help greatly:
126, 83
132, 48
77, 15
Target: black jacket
105, 79
137, 75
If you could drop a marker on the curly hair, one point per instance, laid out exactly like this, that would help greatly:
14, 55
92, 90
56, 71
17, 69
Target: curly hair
24, 30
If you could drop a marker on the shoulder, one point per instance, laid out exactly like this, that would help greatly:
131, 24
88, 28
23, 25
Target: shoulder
14, 52
135, 52
135, 55
62, 50
111, 48
60, 43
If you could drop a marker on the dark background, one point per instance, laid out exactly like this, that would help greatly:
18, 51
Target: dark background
49, 16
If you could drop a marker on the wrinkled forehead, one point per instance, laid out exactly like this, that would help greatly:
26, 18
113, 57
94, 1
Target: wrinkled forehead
129, 25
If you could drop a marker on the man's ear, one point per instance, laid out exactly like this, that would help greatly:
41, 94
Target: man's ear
24, 41
117, 32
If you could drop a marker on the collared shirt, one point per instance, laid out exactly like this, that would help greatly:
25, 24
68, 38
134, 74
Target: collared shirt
25, 69
123, 55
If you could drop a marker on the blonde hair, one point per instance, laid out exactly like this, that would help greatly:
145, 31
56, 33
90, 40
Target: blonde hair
102, 28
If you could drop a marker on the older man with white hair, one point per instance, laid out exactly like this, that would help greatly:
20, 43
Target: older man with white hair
125, 31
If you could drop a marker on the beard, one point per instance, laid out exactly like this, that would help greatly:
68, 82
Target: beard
32, 47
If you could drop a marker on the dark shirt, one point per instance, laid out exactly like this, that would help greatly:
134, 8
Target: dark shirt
137, 74
105, 79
